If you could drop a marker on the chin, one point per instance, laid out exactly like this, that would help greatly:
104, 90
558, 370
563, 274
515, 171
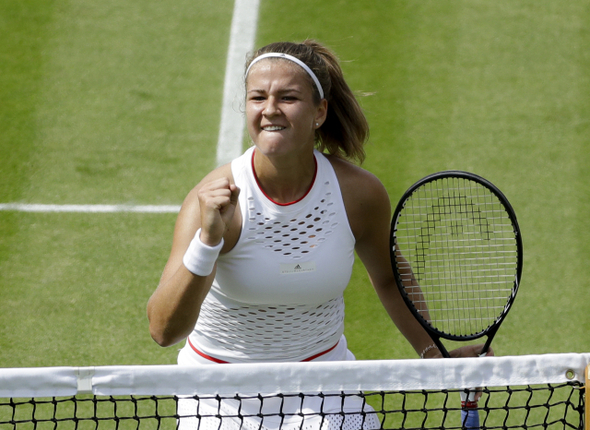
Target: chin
268, 148
271, 152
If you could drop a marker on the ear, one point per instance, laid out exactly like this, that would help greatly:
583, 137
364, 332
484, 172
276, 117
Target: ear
322, 112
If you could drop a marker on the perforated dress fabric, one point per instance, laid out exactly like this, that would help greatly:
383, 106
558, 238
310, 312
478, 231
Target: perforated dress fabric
251, 331
277, 295
296, 237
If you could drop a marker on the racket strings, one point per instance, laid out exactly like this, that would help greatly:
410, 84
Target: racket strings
456, 239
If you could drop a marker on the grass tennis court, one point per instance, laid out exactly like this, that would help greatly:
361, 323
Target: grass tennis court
119, 103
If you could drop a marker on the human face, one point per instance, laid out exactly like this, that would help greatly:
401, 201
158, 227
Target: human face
280, 112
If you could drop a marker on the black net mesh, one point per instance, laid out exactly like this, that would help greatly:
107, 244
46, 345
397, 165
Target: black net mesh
554, 406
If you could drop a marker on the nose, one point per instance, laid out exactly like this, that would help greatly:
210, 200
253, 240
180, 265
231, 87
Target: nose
271, 107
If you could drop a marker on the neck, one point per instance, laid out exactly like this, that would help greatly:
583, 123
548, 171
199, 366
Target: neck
284, 183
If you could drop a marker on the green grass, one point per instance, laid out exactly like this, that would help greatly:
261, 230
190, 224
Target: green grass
103, 103
122, 91
501, 89
110, 102
77, 290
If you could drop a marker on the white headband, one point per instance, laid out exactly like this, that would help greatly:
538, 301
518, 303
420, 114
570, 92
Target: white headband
293, 59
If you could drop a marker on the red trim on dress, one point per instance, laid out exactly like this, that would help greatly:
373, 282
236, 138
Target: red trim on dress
202, 354
217, 360
289, 203
313, 357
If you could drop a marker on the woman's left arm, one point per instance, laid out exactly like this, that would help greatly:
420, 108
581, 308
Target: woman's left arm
370, 219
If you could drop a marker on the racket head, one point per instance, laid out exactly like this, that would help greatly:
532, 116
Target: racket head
456, 253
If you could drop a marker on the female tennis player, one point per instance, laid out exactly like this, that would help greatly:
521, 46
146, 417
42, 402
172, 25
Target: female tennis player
264, 247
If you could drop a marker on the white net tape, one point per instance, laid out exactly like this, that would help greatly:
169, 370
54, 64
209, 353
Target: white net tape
294, 377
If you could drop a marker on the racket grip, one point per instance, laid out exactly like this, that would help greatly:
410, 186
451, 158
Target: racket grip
469, 412
470, 418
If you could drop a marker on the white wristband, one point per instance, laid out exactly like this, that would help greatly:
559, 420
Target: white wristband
199, 258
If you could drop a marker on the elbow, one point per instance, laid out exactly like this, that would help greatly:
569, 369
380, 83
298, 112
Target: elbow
166, 334
166, 330
161, 332
157, 328
162, 338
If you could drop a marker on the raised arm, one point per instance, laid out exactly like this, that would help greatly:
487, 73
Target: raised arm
174, 306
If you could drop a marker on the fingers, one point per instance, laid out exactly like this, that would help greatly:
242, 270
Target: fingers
471, 351
215, 195
235, 193
217, 201
478, 394
488, 353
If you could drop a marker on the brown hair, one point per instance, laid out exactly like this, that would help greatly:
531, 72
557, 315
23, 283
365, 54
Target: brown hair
345, 130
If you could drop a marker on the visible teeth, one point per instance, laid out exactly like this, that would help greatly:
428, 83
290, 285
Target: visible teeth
273, 128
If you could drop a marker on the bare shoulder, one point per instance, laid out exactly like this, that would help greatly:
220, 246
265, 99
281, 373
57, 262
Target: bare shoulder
359, 185
365, 198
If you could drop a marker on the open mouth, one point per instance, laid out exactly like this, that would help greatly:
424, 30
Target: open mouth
273, 128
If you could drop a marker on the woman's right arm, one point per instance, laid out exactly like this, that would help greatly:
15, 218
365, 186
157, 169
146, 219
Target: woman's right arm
174, 306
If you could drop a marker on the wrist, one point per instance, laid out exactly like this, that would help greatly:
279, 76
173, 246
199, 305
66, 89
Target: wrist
207, 239
430, 351
200, 258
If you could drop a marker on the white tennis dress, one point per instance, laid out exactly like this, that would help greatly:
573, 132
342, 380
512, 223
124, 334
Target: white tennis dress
278, 294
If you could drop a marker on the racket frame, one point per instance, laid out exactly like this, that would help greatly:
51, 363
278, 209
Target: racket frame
435, 334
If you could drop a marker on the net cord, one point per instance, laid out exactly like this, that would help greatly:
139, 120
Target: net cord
287, 378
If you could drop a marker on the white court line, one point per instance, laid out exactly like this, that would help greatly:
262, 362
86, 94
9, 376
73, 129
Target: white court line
242, 39
27, 207
231, 130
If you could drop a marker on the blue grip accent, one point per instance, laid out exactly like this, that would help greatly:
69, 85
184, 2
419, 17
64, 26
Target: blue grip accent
470, 418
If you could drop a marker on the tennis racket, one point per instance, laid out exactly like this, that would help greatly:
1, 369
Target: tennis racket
456, 253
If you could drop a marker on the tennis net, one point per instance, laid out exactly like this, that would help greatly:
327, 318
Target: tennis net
537, 391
